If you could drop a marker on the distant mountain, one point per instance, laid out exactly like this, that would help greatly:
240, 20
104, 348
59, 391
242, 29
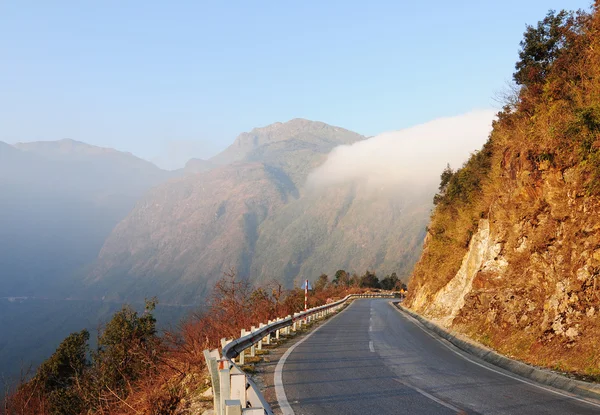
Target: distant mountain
317, 134
59, 201
250, 210
349, 226
182, 236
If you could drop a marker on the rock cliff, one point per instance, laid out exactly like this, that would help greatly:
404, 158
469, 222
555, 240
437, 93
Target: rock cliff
512, 254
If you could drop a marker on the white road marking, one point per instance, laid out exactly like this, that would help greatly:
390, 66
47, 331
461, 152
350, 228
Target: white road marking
284, 405
371, 348
435, 337
430, 396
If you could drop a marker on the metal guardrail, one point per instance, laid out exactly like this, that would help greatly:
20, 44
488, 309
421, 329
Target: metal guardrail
234, 393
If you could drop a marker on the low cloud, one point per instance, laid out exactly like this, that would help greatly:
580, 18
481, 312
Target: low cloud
411, 157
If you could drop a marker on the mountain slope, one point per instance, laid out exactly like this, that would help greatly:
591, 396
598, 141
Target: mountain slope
183, 235
349, 226
512, 257
60, 200
257, 216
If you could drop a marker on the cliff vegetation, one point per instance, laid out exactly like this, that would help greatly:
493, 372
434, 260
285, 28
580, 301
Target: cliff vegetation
512, 253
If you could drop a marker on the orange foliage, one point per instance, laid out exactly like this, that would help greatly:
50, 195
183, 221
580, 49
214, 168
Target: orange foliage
180, 370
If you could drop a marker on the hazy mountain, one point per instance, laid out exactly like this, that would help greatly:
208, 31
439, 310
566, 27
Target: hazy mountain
317, 134
59, 201
183, 234
257, 216
350, 226
198, 166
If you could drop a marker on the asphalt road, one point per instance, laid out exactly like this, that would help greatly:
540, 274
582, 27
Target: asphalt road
371, 359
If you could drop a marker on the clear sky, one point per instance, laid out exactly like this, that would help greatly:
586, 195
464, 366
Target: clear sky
158, 77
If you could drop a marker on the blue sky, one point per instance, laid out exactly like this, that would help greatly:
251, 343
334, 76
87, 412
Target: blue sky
185, 77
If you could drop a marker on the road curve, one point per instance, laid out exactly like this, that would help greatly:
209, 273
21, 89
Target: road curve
371, 359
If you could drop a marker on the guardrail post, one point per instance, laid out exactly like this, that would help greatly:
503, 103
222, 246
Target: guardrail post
268, 338
253, 348
260, 326
213, 369
241, 357
224, 383
238, 387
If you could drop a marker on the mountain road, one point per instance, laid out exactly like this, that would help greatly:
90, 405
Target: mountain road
372, 359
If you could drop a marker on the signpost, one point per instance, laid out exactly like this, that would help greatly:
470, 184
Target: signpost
306, 287
306, 295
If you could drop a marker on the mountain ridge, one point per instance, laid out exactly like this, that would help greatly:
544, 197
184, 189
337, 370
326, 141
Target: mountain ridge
279, 131
62, 199
192, 225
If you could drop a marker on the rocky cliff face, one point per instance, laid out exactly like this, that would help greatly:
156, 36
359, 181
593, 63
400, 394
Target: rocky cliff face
483, 255
528, 282
512, 255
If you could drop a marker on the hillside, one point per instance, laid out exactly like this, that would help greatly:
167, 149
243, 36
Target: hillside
256, 215
348, 226
60, 200
512, 256
182, 235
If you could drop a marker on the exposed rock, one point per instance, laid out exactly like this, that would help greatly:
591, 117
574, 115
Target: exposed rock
483, 256
207, 393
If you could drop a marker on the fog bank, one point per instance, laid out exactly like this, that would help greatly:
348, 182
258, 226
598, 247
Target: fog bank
414, 156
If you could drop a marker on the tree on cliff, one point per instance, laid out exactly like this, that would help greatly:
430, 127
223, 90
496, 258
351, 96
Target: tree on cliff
540, 47
127, 348
61, 375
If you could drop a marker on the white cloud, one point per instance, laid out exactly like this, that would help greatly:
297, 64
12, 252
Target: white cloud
413, 156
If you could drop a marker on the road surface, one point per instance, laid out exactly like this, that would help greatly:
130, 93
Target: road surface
371, 359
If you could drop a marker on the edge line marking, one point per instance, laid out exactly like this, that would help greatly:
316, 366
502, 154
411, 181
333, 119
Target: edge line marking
515, 377
430, 396
280, 395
